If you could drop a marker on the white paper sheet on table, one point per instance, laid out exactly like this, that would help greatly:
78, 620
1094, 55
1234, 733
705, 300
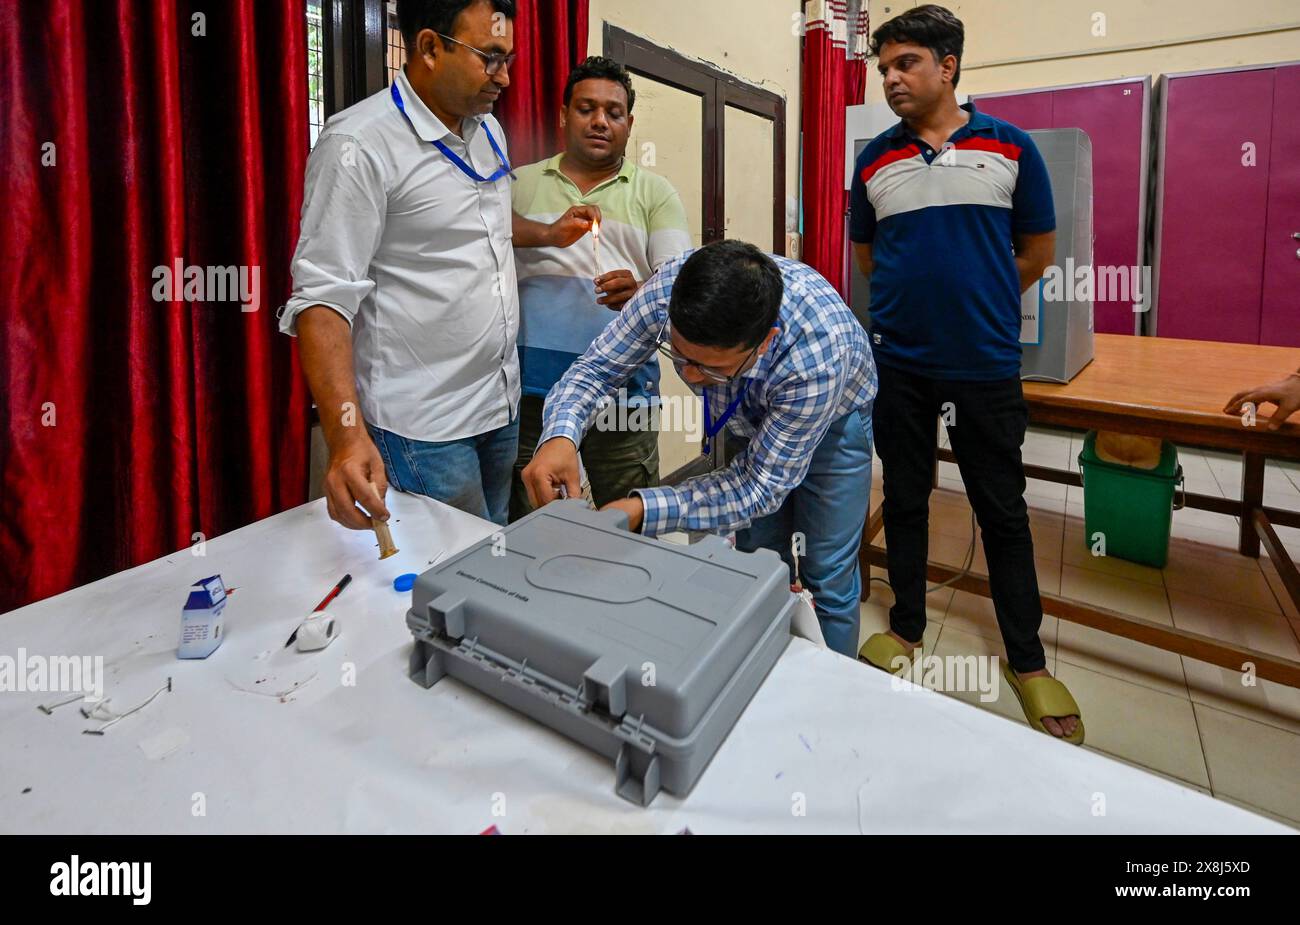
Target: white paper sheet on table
823, 736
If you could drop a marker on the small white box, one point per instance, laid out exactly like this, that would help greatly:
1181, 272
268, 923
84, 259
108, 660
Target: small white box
201, 619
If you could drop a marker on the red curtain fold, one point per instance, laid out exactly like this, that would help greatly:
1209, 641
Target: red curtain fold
137, 135
834, 76
551, 37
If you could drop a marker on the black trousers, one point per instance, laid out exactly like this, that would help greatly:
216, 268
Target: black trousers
986, 424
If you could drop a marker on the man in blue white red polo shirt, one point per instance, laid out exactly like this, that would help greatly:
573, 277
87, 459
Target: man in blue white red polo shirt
952, 219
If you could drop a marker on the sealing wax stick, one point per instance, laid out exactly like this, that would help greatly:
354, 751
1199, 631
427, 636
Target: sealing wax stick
386, 547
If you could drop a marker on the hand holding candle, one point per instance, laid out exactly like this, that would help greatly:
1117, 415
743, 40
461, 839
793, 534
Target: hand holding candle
569, 228
615, 288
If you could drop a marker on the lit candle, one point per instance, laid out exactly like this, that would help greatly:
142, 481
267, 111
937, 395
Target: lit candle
595, 245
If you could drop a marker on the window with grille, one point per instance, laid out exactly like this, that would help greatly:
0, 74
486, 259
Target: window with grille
394, 49
315, 70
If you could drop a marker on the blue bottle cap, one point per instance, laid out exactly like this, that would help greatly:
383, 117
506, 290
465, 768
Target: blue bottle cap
404, 582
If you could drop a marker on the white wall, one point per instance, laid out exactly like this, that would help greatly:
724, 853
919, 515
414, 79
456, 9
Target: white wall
1022, 44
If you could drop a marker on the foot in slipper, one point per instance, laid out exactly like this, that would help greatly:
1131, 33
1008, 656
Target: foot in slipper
1047, 703
889, 652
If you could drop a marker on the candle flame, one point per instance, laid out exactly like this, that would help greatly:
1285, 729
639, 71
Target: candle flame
595, 228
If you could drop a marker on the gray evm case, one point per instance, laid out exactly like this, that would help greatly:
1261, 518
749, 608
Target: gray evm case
641, 650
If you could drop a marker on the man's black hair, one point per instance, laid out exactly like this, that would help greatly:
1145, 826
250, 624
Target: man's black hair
413, 16
727, 294
930, 26
599, 68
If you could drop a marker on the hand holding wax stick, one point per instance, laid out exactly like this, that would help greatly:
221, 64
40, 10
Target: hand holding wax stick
382, 533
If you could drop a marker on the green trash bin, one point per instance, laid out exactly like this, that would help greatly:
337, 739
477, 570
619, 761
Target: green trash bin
1130, 509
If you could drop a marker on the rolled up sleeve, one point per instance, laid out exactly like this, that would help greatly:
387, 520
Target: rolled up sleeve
344, 204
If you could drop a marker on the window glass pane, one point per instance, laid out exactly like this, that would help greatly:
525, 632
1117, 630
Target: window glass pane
315, 70
395, 50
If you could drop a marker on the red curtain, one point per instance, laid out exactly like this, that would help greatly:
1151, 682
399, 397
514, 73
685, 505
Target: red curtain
551, 37
137, 135
834, 76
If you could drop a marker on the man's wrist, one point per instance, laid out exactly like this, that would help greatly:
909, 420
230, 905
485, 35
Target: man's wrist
346, 438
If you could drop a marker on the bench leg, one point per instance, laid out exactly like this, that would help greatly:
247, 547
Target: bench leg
1252, 498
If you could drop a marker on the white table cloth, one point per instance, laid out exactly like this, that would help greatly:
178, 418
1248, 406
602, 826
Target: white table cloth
826, 745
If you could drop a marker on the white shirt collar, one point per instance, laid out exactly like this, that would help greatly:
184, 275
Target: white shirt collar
428, 126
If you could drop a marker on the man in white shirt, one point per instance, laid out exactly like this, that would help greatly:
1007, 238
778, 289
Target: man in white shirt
405, 301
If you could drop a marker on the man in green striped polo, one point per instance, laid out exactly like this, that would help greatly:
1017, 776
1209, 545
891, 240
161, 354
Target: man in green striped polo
568, 294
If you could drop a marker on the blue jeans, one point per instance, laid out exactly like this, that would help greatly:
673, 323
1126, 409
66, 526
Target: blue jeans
472, 474
829, 508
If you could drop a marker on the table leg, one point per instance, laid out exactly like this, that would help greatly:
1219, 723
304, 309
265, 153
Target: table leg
870, 530
864, 558
1252, 499
934, 473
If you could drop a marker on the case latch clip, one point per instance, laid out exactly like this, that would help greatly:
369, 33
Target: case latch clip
636, 774
604, 687
447, 614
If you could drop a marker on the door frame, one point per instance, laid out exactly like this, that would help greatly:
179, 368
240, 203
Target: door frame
353, 44
718, 90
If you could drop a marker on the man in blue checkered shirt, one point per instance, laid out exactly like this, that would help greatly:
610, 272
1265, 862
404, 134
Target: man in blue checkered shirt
785, 372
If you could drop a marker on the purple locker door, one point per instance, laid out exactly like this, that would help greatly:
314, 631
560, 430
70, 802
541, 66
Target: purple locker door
1023, 110
1112, 115
1212, 226
1280, 317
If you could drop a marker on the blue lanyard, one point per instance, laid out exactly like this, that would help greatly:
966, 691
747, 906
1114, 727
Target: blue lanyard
451, 155
711, 429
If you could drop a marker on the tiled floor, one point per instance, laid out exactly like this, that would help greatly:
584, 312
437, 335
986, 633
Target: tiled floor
1183, 719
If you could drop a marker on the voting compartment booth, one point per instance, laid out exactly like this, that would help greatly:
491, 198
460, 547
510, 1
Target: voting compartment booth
1056, 317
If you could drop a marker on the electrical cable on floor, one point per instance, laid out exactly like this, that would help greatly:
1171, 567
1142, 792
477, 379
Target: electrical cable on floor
967, 562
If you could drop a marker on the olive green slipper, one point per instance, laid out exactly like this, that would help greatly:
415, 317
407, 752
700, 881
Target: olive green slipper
883, 651
1044, 696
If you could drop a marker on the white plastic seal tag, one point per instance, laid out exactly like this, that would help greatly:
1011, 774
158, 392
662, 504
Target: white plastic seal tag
804, 622
317, 631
